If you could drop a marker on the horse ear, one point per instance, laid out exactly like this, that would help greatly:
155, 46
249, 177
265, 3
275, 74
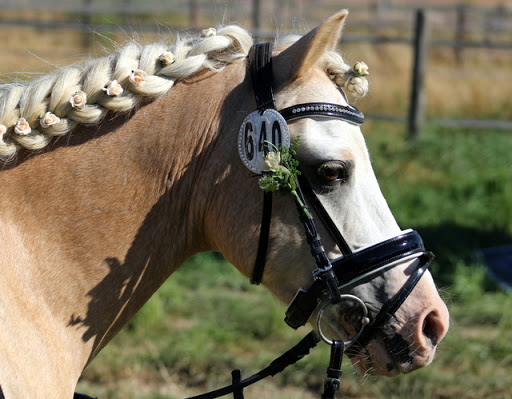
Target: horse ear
300, 57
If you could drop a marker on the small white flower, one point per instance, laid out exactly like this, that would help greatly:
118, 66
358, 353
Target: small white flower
78, 99
360, 69
273, 159
137, 77
209, 32
113, 88
167, 58
48, 120
22, 127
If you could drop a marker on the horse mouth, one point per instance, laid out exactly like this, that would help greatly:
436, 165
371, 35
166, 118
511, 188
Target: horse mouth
393, 350
388, 356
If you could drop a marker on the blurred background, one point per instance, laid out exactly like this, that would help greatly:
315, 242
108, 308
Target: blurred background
439, 130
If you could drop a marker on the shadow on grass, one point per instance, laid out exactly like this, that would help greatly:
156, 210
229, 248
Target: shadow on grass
453, 244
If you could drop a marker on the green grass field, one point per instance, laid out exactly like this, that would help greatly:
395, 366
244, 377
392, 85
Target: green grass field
453, 186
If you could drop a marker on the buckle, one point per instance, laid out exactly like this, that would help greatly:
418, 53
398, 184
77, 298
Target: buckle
318, 272
334, 381
329, 280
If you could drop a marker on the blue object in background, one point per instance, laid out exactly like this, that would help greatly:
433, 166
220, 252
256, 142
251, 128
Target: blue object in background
499, 265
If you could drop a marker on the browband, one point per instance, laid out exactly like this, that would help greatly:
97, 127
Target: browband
260, 57
346, 112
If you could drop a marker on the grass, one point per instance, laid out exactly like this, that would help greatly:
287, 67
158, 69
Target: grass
194, 331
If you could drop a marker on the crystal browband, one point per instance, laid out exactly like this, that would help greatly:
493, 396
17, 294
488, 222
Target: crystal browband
348, 113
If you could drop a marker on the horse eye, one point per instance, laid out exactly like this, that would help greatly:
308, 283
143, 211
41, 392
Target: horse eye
334, 172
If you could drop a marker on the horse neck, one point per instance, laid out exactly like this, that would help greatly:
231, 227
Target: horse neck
111, 217
178, 168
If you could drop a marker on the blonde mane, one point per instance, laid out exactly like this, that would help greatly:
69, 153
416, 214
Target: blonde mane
31, 113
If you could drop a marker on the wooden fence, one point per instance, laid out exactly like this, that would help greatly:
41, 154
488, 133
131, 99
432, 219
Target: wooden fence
457, 26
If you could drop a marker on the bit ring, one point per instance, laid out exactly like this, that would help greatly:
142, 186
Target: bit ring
365, 320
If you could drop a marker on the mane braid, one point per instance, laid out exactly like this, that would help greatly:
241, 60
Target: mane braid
32, 113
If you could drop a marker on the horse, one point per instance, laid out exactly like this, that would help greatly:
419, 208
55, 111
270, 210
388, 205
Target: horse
118, 169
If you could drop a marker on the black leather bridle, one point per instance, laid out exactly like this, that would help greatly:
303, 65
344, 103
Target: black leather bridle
331, 275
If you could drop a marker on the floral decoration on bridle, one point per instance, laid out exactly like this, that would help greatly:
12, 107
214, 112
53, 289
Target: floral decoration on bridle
280, 172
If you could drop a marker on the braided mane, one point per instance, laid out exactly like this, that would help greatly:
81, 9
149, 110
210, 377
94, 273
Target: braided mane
78, 93
31, 113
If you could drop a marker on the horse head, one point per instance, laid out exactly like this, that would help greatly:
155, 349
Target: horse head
334, 162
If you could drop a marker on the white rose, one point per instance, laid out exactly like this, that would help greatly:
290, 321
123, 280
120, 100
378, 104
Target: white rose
209, 32
167, 58
361, 69
22, 127
273, 159
78, 100
113, 88
3, 130
137, 77
48, 120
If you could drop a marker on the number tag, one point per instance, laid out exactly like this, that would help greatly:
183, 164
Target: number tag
255, 134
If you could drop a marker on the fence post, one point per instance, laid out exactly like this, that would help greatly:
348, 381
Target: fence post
256, 19
194, 13
86, 24
460, 30
417, 100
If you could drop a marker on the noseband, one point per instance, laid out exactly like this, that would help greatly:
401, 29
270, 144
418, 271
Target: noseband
330, 276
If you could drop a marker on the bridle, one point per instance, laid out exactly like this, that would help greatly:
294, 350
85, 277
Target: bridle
330, 276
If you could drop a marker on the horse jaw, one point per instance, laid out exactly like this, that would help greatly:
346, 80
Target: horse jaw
403, 347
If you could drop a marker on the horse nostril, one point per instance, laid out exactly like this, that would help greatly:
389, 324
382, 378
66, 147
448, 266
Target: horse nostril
433, 329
